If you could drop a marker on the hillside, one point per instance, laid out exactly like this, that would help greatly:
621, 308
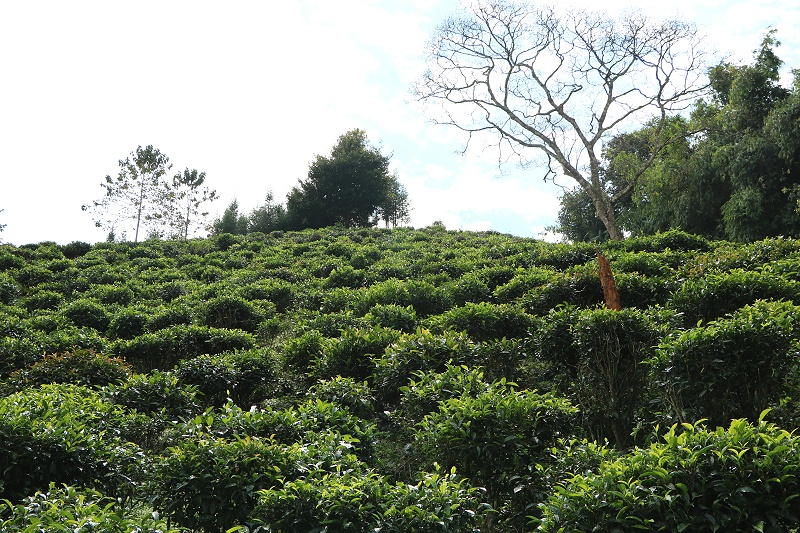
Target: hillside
399, 380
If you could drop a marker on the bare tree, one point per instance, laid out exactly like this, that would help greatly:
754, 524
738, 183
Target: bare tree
553, 86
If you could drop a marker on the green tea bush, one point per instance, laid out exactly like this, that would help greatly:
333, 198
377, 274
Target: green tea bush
177, 313
425, 298
42, 299
157, 393
642, 292
77, 510
358, 502
79, 367
63, 434
580, 287
32, 275
353, 354
496, 439
278, 291
423, 394
213, 484
163, 349
731, 368
673, 239
563, 256
9, 289
595, 357
523, 282
356, 396
230, 312
300, 351
246, 377
88, 313
419, 351
740, 479
392, 316
112, 294
76, 249
483, 321
127, 323
345, 276
717, 295
469, 288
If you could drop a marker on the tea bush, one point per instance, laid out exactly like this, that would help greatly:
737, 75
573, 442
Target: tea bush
79, 367
230, 312
156, 394
64, 434
163, 349
353, 354
88, 313
739, 479
127, 324
716, 295
419, 351
425, 298
580, 288
423, 394
495, 439
77, 510
483, 321
595, 358
356, 396
42, 299
733, 367
393, 316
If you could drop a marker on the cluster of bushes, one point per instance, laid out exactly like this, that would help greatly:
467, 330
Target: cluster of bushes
399, 380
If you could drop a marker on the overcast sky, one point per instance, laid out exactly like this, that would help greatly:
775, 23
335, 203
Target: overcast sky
250, 91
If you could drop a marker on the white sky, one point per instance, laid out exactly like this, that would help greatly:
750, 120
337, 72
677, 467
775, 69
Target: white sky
250, 91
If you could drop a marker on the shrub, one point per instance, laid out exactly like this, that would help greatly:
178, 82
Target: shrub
420, 351
9, 289
230, 312
155, 394
213, 484
423, 394
345, 276
421, 295
77, 510
672, 239
300, 351
523, 282
469, 288
63, 434
739, 479
580, 288
393, 316
163, 349
353, 354
127, 324
733, 367
244, 377
32, 275
496, 439
88, 313
597, 357
484, 321
79, 367
42, 299
112, 294
347, 392
76, 249
717, 295
278, 291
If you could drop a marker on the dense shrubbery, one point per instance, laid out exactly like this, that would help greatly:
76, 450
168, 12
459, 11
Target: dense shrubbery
334, 378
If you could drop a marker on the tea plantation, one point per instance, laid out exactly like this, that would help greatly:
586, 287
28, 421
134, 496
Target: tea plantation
376, 380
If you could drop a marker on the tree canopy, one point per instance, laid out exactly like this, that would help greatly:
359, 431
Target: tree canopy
554, 86
352, 186
738, 178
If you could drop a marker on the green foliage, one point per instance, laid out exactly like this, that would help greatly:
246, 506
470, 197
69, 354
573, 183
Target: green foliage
88, 313
423, 394
580, 287
213, 484
354, 395
163, 349
419, 351
127, 324
230, 312
595, 357
495, 439
79, 367
76, 510
716, 295
483, 321
393, 316
9, 289
425, 298
739, 479
353, 354
63, 434
730, 368
157, 393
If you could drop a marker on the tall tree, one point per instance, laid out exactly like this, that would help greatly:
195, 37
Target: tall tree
139, 192
189, 197
231, 221
553, 87
348, 187
395, 209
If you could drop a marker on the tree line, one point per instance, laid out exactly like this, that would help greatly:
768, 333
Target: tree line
353, 187
630, 111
